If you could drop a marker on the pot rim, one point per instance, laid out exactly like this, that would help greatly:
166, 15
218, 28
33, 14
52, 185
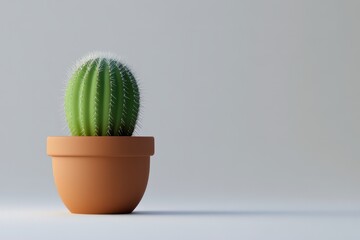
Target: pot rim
110, 146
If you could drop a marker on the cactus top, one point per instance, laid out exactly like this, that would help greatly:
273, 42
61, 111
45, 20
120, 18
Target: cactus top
102, 98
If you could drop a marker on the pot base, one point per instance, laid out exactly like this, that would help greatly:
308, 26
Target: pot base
99, 185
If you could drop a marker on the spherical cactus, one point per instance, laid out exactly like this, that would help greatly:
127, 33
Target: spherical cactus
102, 98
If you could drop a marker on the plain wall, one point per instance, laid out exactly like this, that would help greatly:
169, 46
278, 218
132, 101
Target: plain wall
249, 101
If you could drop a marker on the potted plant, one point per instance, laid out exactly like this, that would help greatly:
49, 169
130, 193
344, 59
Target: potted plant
101, 168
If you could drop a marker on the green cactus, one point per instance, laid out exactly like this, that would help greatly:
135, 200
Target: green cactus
102, 98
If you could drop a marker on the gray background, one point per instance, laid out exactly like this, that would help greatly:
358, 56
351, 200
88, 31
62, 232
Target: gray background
250, 102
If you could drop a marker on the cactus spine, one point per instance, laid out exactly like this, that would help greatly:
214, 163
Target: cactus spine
102, 98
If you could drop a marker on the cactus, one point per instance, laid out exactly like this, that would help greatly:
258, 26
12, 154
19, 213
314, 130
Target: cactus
102, 98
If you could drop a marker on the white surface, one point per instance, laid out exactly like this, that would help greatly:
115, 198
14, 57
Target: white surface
40, 222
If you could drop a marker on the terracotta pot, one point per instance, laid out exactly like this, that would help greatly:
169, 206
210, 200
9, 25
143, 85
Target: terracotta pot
101, 174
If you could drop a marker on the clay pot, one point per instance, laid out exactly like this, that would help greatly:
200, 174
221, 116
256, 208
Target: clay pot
96, 175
